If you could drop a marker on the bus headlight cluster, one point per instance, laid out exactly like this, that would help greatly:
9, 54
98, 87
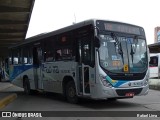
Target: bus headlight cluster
104, 81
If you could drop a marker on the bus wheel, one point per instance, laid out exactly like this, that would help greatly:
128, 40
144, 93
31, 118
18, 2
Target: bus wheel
71, 92
26, 86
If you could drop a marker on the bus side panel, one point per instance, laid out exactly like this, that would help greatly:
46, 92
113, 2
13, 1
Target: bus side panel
29, 73
18, 71
54, 73
50, 71
153, 72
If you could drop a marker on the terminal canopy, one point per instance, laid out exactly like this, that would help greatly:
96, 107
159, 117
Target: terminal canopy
14, 21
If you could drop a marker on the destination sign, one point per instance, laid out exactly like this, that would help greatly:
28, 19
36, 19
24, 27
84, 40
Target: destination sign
119, 27
122, 28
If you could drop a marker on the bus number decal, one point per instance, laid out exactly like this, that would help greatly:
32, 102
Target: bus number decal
51, 69
65, 71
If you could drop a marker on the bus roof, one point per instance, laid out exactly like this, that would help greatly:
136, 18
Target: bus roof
62, 30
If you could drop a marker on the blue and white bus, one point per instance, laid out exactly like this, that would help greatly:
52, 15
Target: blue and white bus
95, 59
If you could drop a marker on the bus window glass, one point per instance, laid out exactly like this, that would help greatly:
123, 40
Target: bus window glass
66, 54
30, 56
48, 51
58, 54
25, 56
19, 56
10, 60
15, 57
86, 52
153, 61
64, 47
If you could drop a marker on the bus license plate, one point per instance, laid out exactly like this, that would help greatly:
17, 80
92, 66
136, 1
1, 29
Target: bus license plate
129, 94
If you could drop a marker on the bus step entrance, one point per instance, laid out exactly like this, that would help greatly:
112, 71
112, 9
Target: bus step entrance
84, 80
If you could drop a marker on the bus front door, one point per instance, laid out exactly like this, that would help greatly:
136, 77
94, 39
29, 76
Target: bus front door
37, 58
84, 69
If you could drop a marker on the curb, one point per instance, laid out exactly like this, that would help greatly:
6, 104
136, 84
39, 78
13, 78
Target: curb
154, 84
154, 87
6, 87
5, 101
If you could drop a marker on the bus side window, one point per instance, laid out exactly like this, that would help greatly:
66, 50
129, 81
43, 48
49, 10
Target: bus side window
48, 50
10, 59
86, 51
58, 54
25, 55
20, 61
35, 56
30, 56
15, 57
154, 61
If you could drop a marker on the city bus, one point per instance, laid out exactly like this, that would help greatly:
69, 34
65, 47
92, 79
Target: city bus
96, 59
154, 65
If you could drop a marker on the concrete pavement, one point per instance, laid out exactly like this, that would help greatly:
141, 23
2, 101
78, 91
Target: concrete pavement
154, 84
6, 97
8, 93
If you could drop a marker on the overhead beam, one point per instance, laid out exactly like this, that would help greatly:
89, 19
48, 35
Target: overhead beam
13, 27
11, 30
19, 16
11, 35
8, 42
12, 39
4, 43
12, 22
16, 3
13, 9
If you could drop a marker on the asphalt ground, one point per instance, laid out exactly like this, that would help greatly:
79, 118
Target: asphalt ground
7, 95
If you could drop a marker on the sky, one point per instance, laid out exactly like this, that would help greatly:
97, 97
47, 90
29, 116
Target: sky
50, 15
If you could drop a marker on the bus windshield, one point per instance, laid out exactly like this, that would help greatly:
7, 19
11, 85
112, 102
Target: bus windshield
117, 52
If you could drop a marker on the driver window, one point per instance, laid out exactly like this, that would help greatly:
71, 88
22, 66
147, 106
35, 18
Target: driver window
86, 50
103, 50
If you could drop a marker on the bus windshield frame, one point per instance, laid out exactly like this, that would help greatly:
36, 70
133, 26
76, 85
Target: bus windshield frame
126, 51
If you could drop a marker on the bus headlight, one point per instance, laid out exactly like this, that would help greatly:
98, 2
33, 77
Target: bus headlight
104, 81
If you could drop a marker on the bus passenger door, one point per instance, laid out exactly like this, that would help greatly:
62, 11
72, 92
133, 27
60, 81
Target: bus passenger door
37, 71
84, 68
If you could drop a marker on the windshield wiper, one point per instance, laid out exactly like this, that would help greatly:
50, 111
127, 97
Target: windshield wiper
119, 45
115, 38
121, 52
132, 53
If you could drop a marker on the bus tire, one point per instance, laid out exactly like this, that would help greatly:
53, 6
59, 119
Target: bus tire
71, 95
26, 86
